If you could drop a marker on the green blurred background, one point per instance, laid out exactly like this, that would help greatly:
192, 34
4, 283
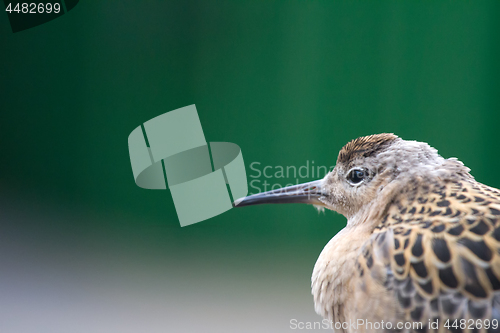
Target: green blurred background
83, 249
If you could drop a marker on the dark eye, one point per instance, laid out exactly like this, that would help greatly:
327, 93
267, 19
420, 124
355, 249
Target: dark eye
356, 176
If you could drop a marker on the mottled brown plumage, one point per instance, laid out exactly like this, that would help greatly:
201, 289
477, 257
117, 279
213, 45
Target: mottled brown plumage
421, 244
424, 247
437, 246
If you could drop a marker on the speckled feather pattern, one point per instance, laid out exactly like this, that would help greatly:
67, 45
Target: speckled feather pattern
425, 246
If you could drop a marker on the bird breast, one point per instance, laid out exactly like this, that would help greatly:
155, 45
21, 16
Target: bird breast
334, 271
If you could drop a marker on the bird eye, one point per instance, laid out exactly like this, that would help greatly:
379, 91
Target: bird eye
356, 176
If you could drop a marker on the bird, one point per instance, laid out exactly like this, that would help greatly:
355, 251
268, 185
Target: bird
420, 251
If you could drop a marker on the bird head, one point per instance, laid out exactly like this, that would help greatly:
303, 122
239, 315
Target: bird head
368, 169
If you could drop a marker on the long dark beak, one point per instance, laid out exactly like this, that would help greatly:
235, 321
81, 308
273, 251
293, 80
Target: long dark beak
308, 193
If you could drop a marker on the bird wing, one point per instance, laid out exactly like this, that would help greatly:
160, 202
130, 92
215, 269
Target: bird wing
439, 249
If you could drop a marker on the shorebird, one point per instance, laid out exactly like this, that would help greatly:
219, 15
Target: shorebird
421, 243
